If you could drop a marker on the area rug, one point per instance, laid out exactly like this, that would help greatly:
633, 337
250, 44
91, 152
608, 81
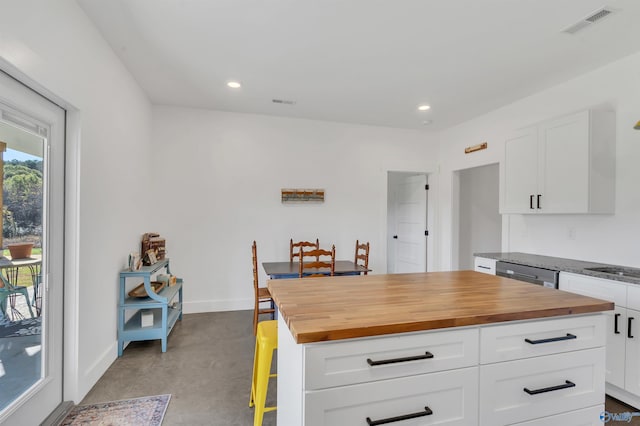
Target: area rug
146, 411
25, 327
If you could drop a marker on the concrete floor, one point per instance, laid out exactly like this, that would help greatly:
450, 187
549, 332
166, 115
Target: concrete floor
207, 370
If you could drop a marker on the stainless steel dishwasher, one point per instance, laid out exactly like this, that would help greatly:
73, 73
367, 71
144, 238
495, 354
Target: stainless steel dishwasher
530, 274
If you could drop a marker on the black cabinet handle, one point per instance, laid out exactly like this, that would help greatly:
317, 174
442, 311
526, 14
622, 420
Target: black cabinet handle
395, 237
567, 384
484, 267
629, 335
427, 412
426, 355
531, 201
539, 195
569, 336
615, 324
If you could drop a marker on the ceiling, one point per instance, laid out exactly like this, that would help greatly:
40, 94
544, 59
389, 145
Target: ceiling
360, 61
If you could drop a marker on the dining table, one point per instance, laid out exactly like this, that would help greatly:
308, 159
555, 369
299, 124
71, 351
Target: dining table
11, 270
280, 270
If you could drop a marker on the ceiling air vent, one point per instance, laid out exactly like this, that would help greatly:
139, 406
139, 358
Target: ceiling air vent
283, 101
594, 17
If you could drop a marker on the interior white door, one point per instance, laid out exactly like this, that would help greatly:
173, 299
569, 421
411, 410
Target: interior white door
411, 225
43, 123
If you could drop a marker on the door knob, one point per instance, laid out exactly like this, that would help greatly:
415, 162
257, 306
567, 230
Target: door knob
395, 237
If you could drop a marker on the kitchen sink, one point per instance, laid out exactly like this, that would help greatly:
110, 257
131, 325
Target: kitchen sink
621, 272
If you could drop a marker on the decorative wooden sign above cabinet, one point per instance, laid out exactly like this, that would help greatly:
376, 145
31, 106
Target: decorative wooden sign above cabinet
561, 166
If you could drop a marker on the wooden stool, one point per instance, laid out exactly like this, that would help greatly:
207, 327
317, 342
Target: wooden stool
266, 343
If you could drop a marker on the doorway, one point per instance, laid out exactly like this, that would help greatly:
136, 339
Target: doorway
478, 225
32, 145
407, 207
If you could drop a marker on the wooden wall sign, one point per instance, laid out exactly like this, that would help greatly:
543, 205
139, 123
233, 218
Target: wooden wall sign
475, 148
290, 195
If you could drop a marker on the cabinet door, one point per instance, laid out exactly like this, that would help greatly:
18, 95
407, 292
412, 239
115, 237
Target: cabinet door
632, 382
615, 292
616, 341
563, 165
520, 172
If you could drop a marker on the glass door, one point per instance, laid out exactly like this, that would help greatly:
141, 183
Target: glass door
31, 253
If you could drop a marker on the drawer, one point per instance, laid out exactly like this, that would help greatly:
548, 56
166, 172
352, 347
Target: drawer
633, 296
487, 266
530, 339
585, 417
346, 362
503, 399
594, 287
451, 398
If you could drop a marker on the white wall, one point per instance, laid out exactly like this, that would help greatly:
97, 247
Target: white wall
480, 224
603, 238
54, 47
220, 175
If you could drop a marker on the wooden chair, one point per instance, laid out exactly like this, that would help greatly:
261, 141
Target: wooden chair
362, 255
296, 248
318, 263
261, 294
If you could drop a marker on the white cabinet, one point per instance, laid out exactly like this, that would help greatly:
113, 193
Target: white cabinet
632, 324
525, 389
443, 398
520, 180
623, 331
364, 360
456, 376
585, 417
509, 342
565, 165
484, 265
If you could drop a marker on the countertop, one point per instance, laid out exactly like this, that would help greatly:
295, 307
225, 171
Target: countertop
334, 308
560, 264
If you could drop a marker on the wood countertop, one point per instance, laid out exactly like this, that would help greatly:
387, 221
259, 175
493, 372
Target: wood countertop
334, 308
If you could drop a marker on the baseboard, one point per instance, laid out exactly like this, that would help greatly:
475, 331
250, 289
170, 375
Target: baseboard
57, 416
97, 369
622, 395
217, 306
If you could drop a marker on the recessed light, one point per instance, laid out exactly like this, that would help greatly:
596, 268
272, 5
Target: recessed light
234, 84
423, 107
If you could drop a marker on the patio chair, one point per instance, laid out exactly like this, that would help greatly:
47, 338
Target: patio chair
6, 290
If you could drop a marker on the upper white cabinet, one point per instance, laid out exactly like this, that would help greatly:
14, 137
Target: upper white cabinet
565, 165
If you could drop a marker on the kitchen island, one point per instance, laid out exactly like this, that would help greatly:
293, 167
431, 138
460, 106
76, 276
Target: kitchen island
445, 347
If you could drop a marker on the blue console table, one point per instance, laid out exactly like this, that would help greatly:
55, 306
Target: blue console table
166, 311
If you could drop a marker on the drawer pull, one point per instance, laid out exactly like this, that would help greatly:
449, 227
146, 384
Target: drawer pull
629, 335
426, 355
567, 384
615, 324
427, 412
569, 336
484, 267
